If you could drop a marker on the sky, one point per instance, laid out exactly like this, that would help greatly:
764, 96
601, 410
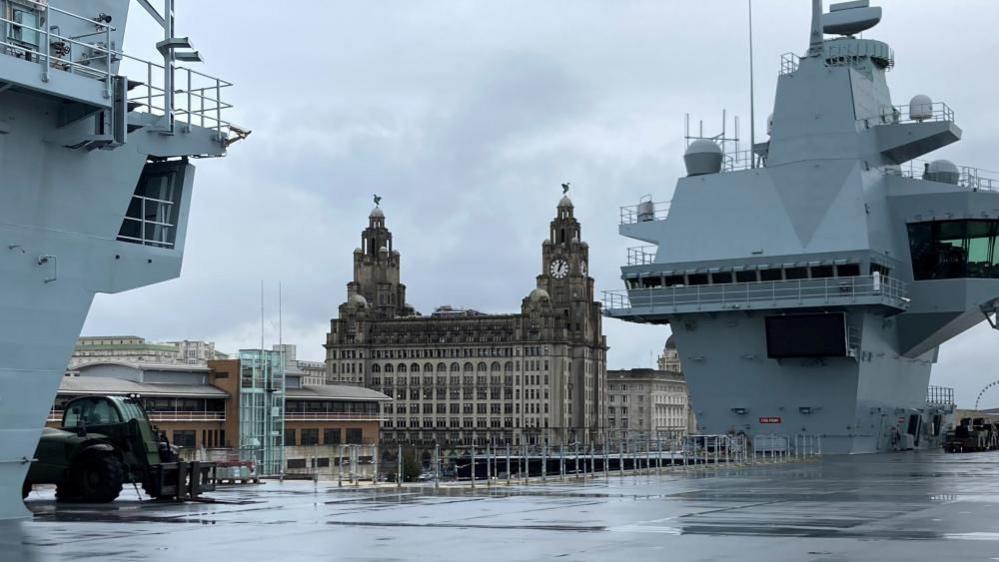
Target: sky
466, 117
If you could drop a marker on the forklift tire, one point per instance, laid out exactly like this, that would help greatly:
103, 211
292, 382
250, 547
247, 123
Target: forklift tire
95, 478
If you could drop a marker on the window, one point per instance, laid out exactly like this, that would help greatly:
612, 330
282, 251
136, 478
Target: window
331, 436
697, 279
771, 275
184, 438
796, 273
310, 437
721, 277
954, 249
745, 276
673, 280
822, 271
848, 270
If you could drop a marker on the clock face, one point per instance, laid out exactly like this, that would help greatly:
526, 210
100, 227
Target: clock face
559, 268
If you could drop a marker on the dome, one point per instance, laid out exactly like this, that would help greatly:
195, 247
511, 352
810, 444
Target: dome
920, 108
703, 157
670, 342
943, 171
358, 251
538, 295
565, 202
357, 300
376, 213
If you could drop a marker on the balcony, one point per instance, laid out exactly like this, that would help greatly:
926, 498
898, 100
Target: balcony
970, 178
767, 295
331, 416
55, 416
642, 255
645, 211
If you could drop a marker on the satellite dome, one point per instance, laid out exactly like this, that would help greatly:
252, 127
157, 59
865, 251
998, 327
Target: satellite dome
538, 295
943, 171
703, 157
920, 108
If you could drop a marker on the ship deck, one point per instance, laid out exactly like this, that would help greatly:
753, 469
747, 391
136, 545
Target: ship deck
904, 506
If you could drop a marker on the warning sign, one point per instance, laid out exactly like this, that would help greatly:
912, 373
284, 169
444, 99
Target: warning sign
771, 419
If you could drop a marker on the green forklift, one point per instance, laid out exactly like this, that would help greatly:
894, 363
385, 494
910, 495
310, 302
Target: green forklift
108, 441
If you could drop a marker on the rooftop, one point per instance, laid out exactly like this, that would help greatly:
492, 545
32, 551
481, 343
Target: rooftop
904, 506
335, 392
108, 385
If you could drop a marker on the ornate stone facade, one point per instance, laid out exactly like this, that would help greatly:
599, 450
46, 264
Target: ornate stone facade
459, 377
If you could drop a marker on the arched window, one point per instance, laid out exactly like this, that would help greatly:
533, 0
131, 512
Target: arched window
414, 368
469, 367
455, 367
508, 366
441, 368
482, 366
495, 366
375, 368
401, 368
388, 368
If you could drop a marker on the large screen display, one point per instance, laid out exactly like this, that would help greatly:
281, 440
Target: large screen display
806, 335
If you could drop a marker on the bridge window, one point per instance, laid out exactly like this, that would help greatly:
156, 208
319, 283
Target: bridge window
697, 279
848, 270
771, 275
745, 276
822, 271
721, 277
673, 280
954, 249
796, 273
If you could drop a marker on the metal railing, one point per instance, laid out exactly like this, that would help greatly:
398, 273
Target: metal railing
57, 51
646, 211
940, 395
971, 178
332, 416
738, 295
55, 415
197, 96
894, 114
642, 255
151, 232
789, 63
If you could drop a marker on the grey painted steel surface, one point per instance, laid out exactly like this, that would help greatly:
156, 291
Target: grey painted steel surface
900, 507
66, 184
831, 190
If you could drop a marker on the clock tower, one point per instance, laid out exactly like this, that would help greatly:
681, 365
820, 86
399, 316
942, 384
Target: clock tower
565, 276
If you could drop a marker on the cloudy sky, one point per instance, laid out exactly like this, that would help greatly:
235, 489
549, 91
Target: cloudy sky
466, 117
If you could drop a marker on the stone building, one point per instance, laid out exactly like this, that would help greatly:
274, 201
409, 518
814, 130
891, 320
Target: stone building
459, 376
670, 358
647, 403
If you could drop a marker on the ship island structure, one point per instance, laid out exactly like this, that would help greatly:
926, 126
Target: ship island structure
95, 155
810, 284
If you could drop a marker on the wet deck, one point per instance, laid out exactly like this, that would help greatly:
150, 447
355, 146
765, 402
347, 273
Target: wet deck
905, 506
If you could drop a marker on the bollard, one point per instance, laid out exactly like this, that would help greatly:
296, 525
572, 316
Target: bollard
339, 470
509, 476
437, 465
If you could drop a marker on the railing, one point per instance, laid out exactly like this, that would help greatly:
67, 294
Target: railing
197, 96
789, 63
642, 255
332, 416
940, 395
974, 179
55, 415
739, 295
737, 160
935, 111
646, 211
151, 232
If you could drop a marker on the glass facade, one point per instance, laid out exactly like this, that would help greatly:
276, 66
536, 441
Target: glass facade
954, 249
261, 408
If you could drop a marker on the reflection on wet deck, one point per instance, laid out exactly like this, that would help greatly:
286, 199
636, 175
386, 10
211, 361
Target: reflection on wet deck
901, 507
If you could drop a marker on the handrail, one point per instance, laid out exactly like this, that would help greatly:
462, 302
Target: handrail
201, 103
642, 255
969, 177
735, 295
646, 211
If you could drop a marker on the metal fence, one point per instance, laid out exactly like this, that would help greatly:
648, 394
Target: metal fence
739, 295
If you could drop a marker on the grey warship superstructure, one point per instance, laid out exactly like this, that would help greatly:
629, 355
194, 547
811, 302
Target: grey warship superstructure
95, 187
810, 284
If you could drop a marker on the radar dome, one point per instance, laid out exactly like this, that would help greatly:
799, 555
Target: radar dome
921, 108
703, 157
943, 171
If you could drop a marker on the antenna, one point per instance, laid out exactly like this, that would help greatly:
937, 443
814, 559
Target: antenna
815, 41
280, 317
261, 318
752, 101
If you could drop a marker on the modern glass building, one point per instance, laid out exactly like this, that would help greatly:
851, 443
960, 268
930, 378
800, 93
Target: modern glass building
261, 408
